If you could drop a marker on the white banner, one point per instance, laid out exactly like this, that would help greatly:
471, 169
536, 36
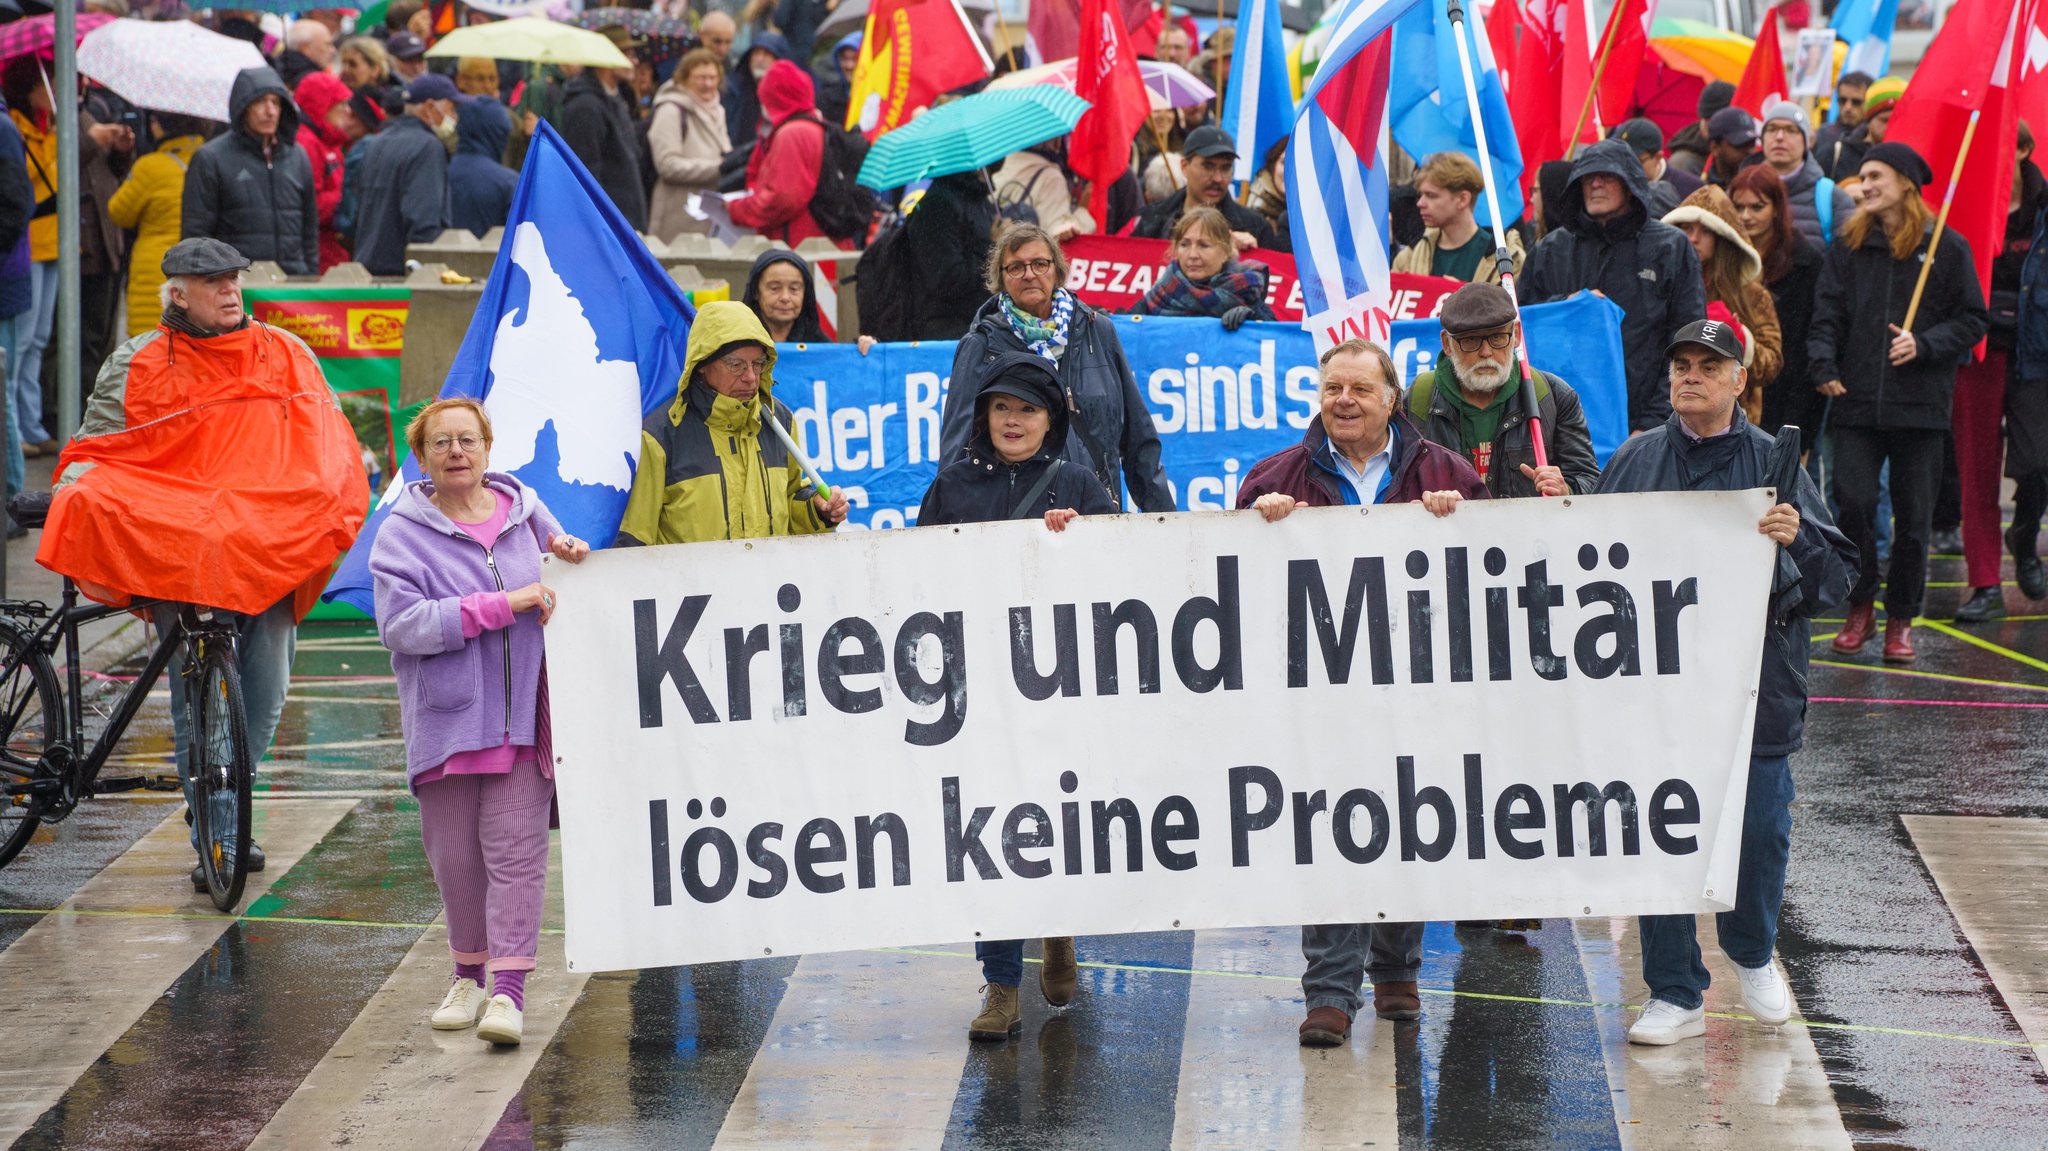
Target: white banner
1156, 722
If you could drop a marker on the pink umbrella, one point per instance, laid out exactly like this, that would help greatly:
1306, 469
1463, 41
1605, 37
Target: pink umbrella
38, 34
1167, 85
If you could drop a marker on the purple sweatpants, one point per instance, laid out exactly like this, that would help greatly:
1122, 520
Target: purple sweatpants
487, 838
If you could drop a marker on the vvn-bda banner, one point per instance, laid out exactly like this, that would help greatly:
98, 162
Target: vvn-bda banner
1156, 722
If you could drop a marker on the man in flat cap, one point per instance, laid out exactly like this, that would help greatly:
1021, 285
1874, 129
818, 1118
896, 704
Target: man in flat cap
213, 467
1706, 444
1472, 403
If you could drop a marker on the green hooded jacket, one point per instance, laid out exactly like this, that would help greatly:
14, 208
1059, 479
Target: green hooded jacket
710, 468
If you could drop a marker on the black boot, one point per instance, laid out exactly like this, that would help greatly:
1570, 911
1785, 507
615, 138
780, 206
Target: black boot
1984, 604
2026, 563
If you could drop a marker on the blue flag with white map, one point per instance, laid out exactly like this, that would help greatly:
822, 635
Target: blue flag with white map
578, 338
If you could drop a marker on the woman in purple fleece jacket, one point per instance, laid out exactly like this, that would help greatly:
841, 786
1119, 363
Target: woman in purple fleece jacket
460, 604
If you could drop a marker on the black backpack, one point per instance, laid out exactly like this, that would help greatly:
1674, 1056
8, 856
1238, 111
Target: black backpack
883, 284
841, 206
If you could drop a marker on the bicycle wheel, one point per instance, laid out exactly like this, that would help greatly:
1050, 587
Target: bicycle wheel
220, 766
31, 720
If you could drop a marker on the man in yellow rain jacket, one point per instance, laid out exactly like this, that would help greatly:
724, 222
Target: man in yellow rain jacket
710, 467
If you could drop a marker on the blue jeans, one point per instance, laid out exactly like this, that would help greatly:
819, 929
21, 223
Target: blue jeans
265, 646
1749, 933
25, 362
1340, 955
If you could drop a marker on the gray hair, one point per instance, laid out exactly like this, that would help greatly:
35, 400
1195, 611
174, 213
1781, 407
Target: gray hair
1360, 347
184, 284
1013, 235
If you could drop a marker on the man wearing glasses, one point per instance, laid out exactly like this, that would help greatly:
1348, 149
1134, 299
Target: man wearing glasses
711, 467
1472, 403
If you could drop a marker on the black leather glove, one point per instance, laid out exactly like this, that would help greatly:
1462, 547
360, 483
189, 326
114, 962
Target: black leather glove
1235, 318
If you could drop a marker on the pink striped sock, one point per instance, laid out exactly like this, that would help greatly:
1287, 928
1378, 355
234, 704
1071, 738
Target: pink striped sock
511, 985
471, 971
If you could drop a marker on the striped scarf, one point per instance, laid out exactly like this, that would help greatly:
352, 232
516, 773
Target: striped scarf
1047, 337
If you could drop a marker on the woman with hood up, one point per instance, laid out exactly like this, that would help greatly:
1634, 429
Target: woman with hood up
1731, 272
1012, 470
782, 174
686, 140
480, 186
783, 295
743, 87
325, 144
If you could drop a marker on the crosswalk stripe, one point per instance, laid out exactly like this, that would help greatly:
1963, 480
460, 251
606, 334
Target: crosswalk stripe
73, 985
1993, 873
865, 1049
1245, 1080
1776, 1092
393, 1082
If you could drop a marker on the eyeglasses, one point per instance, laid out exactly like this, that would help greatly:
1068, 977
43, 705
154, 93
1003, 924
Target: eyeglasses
440, 445
1034, 267
742, 366
1494, 340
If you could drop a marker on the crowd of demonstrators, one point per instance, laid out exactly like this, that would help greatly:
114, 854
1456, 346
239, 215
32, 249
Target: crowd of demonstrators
1891, 387
1448, 186
1730, 269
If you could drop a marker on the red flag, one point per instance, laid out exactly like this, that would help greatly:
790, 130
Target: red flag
912, 51
2033, 70
1533, 83
1107, 77
1763, 78
1504, 31
1628, 42
1055, 25
1575, 75
1956, 77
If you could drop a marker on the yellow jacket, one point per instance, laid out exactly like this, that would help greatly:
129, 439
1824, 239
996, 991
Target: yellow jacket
42, 175
150, 202
710, 468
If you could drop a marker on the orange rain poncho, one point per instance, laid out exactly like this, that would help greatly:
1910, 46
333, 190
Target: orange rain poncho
218, 471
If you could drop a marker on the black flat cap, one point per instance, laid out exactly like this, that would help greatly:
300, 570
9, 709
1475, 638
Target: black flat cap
201, 256
1477, 308
1713, 335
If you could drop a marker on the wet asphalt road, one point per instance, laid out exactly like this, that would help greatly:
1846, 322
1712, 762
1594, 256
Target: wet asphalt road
1915, 1039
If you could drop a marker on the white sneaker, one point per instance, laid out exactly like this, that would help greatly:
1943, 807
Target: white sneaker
1663, 1024
502, 1022
462, 1008
1765, 994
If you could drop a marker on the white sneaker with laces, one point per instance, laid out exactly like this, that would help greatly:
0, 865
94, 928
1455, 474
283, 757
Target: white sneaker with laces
462, 1007
1663, 1024
502, 1022
1765, 994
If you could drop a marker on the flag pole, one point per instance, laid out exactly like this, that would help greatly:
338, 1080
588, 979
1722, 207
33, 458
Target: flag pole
1599, 70
810, 470
1941, 221
1504, 263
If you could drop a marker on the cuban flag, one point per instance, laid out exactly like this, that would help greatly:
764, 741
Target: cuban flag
578, 338
1866, 27
1258, 108
1337, 180
1429, 110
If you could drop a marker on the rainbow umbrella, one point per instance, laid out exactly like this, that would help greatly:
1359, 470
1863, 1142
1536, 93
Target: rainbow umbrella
1700, 49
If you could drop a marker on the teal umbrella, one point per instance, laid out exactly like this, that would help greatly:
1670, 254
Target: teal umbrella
971, 132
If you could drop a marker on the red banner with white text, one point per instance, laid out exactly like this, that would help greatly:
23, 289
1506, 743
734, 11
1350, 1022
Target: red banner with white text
1114, 272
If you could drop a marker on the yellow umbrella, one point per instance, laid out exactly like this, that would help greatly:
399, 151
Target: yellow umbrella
535, 39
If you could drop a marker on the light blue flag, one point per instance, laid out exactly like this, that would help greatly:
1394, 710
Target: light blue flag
1258, 108
1866, 27
578, 338
1426, 102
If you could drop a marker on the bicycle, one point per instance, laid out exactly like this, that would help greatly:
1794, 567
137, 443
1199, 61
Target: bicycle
46, 766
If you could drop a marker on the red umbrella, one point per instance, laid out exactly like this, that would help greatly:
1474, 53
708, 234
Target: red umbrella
1667, 96
38, 34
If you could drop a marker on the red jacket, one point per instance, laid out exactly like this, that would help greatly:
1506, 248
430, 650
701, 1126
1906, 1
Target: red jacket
782, 174
324, 144
1306, 472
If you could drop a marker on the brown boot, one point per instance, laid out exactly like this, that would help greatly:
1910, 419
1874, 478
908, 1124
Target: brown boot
1396, 999
1000, 1017
1057, 979
1325, 1027
1856, 629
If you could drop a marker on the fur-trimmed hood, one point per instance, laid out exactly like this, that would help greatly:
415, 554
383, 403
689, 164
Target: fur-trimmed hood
1712, 207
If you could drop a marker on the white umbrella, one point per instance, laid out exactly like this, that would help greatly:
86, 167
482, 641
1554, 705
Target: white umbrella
852, 16
167, 66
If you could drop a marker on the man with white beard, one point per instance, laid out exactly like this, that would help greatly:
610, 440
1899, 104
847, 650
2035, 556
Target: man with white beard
1472, 403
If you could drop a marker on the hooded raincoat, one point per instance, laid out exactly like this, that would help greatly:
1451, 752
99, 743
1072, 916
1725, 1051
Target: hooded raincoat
479, 184
981, 487
265, 205
710, 468
782, 174
325, 147
1642, 264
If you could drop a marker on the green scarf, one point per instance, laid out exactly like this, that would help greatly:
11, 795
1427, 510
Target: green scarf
1478, 425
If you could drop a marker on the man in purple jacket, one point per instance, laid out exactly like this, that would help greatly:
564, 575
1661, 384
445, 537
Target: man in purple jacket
1362, 448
